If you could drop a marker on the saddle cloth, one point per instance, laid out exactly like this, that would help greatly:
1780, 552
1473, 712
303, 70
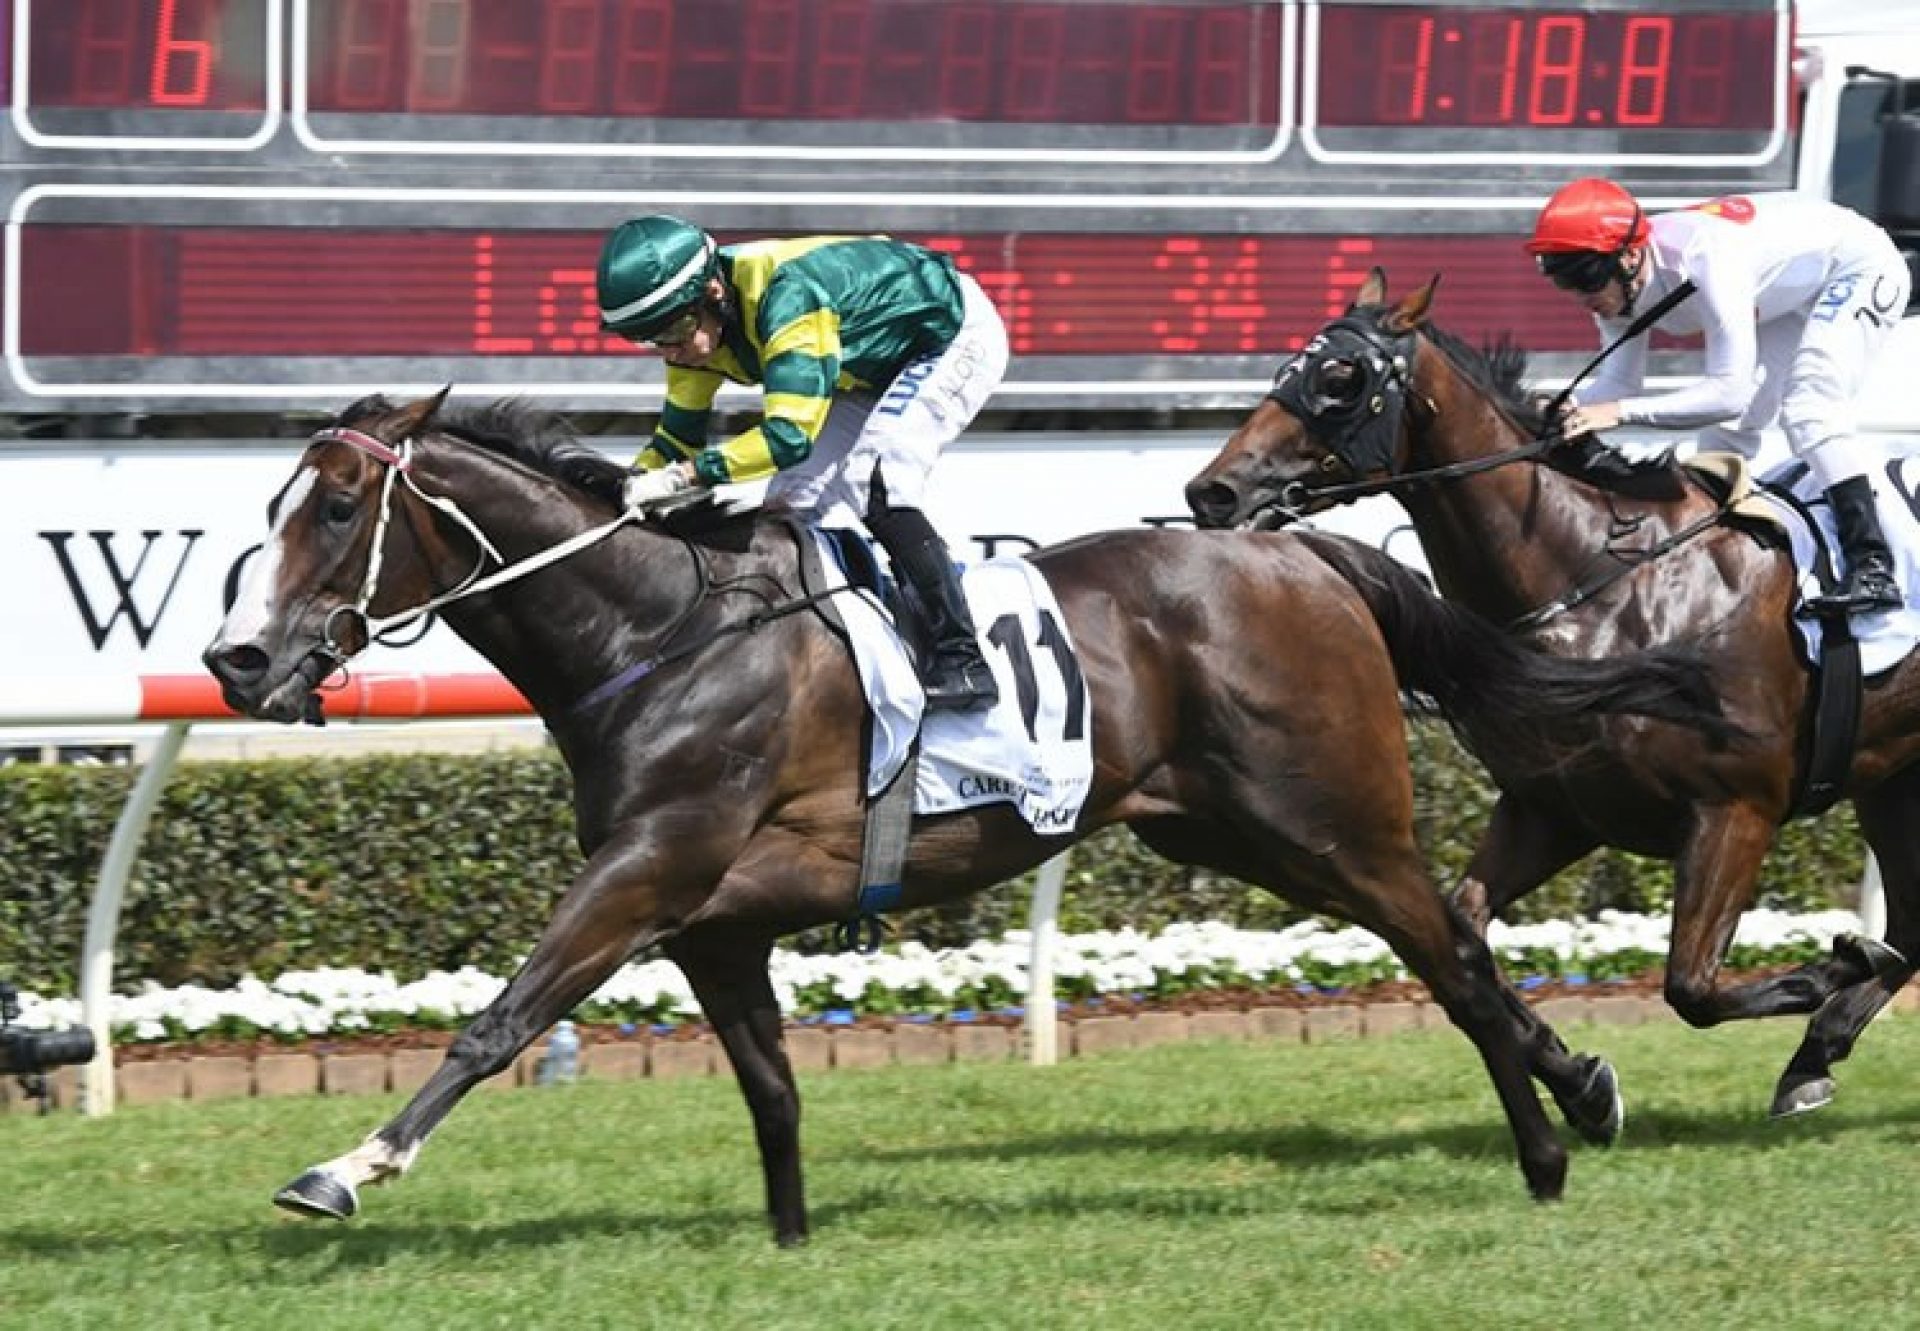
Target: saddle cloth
990, 755
1885, 636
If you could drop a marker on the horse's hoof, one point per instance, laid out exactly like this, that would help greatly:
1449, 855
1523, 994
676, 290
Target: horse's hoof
1877, 957
1801, 1096
1547, 1178
1597, 1112
318, 1194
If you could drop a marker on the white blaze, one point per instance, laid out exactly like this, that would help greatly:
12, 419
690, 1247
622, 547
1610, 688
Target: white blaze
253, 607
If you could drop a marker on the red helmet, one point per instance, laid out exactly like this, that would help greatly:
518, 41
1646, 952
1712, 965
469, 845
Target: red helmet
1590, 214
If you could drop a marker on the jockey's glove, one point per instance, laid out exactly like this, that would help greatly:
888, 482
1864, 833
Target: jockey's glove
645, 489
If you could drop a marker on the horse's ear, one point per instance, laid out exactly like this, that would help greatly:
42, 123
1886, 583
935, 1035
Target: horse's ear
1411, 312
414, 418
1373, 291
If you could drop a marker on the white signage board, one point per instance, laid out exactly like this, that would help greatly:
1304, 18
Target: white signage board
120, 558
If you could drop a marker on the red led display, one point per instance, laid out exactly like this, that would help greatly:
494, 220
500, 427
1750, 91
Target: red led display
93, 290
1546, 68
1094, 62
201, 55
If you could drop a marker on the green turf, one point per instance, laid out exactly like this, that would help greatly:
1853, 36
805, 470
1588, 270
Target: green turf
1358, 1185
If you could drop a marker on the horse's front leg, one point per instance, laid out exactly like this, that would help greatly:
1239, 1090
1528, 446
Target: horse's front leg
1890, 818
615, 907
1521, 849
728, 971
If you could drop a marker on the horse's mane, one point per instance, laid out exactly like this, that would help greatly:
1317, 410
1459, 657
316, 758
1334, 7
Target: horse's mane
1499, 370
518, 430
545, 442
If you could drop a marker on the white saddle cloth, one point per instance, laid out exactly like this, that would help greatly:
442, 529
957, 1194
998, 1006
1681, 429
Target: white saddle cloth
984, 756
1886, 636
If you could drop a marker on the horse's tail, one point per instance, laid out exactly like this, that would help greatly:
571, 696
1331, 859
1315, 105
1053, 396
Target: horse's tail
1498, 688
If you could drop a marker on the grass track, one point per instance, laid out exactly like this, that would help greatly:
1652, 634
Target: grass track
1360, 1185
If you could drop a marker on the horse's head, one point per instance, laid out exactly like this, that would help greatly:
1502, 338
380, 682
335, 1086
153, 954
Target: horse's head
1336, 414
327, 565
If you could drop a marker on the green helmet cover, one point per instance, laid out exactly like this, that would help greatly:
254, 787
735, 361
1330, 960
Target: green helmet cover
651, 270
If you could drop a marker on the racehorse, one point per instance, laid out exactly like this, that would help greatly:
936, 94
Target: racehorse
1245, 715
1383, 400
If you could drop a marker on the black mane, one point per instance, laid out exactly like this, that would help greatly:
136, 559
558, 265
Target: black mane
518, 430
540, 439
1499, 371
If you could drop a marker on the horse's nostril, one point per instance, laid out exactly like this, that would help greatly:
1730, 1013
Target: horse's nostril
1211, 502
237, 665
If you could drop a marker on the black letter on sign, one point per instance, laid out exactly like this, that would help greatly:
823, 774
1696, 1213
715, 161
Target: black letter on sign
123, 582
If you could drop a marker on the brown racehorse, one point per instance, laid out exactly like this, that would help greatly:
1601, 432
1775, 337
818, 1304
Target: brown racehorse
1382, 400
1245, 716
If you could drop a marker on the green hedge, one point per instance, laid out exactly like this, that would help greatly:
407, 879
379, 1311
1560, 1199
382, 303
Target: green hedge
431, 862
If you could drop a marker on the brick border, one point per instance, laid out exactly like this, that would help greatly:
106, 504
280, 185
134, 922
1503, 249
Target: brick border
814, 1049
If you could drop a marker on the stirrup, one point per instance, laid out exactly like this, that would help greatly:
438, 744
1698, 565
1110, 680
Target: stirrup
1866, 590
961, 686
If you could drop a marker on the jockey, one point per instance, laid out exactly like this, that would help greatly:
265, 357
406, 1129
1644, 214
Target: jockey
873, 355
1795, 297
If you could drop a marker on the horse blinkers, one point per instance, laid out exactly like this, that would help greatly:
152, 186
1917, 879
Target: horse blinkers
1348, 386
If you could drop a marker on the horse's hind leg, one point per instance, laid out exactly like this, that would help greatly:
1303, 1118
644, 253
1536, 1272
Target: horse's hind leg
1520, 850
607, 915
1890, 818
729, 975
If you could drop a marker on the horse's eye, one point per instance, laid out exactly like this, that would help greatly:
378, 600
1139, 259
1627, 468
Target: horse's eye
340, 509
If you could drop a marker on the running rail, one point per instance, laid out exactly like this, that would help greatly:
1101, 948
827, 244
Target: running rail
182, 700
179, 701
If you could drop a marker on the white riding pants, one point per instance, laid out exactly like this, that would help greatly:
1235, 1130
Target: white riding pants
903, 429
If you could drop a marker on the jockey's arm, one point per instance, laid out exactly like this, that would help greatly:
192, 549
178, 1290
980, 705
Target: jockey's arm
1726, 387
800, 367
682, 429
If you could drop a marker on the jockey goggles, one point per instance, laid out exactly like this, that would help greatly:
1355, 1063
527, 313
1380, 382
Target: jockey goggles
1583, 271
679, 332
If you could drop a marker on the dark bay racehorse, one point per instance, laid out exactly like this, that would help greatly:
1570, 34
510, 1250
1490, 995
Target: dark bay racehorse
1381, 400
1245, 716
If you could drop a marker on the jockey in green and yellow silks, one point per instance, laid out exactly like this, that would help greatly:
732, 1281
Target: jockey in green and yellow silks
872, 355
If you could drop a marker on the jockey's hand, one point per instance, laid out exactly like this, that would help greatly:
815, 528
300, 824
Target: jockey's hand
1590, 419
646, 489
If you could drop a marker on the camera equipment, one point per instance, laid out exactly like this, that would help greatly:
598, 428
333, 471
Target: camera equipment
28, 1055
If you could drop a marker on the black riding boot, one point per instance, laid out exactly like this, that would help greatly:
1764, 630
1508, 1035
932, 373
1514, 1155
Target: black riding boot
1870, 583
955, 675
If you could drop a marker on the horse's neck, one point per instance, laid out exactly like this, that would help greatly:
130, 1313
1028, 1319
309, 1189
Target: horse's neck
1509, 539
567, 628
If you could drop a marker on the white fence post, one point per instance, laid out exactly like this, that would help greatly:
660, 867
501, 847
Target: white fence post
1043, 1024
103, 918
1872, 905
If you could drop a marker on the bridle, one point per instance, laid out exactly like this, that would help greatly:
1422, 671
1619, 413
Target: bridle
398, 463
1359, 428
1353, 426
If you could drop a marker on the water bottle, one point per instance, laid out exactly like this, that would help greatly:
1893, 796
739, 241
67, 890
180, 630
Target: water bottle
562, 1062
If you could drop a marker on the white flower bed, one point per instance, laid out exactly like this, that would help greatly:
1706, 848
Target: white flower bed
912, 981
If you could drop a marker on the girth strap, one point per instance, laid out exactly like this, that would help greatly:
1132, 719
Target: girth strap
1832, 727
888, 825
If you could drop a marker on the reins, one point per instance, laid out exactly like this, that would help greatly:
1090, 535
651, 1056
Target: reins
399, 464
1289, 504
